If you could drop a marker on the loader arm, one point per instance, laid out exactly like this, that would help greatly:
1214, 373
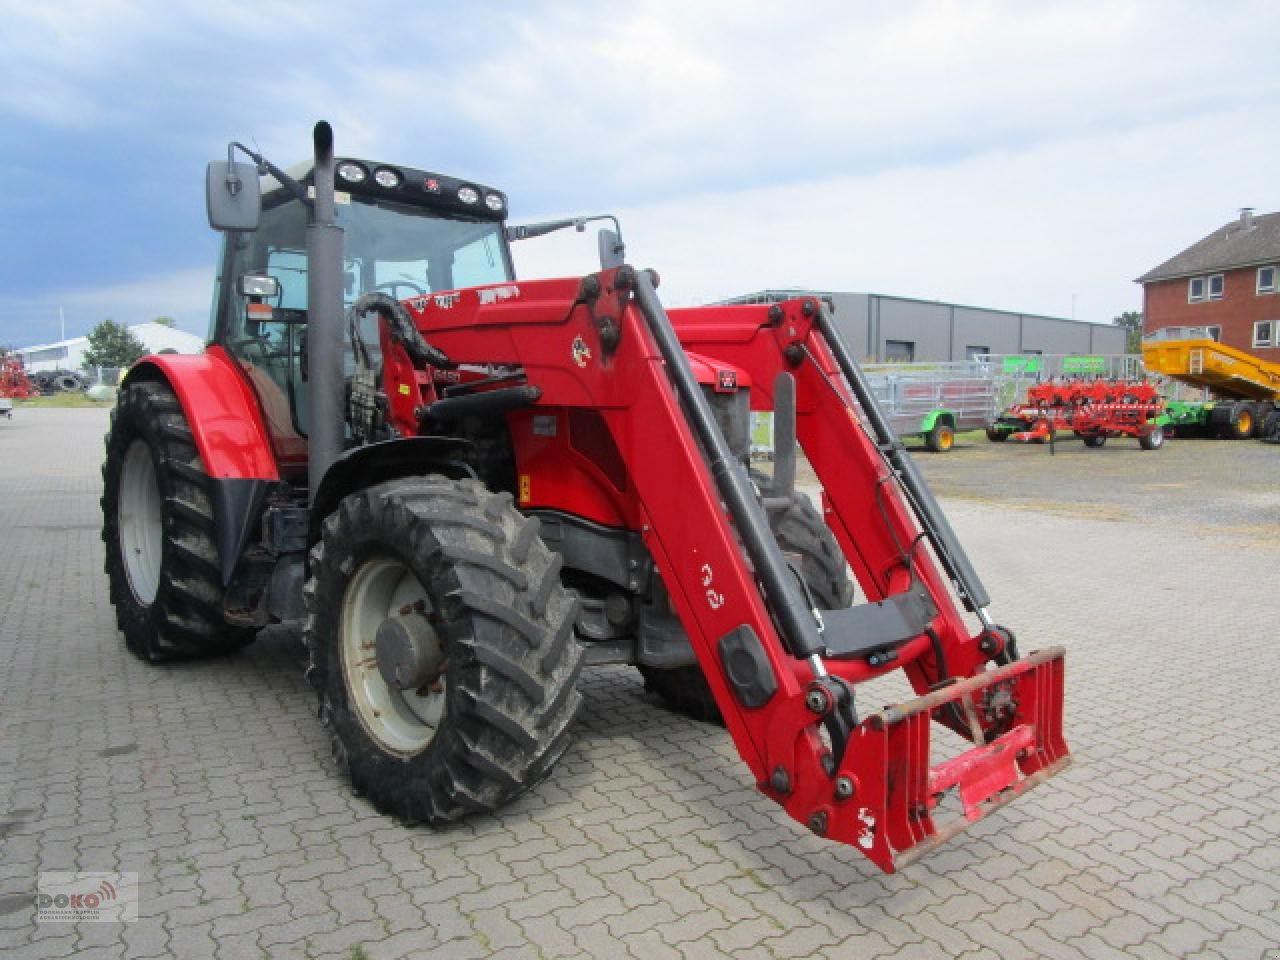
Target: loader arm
782, 674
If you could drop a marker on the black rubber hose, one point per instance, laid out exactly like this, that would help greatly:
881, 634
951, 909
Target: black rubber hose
402, 329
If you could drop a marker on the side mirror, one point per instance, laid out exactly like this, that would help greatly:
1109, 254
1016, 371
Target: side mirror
612, 252
259, 285
232, 196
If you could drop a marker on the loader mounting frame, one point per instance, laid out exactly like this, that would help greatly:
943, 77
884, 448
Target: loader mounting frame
783, 674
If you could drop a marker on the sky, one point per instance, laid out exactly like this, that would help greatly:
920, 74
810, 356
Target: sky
1025, 156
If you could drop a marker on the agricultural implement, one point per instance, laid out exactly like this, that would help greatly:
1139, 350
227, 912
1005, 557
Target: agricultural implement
14, 382
470, 492
1247, 387
1093, 410
933, 401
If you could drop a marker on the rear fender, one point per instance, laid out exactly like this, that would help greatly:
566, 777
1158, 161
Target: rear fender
934, 417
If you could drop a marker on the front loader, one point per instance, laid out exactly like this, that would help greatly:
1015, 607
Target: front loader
470, 486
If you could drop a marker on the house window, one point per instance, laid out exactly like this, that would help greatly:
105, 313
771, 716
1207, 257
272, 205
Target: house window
899, 351
1266, 280
47, 355
972, 352
1200, 289
1213, 333
1263, 333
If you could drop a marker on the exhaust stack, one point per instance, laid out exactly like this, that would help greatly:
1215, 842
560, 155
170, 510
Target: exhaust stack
325, 418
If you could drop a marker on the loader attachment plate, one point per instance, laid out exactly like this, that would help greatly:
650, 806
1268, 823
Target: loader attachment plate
891, 816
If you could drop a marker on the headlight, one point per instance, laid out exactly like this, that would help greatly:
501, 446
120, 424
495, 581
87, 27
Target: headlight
386, 177
468, 194
493, 202
351, 172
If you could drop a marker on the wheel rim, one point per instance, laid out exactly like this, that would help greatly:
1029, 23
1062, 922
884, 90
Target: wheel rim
140, 523
1245, 422
402, 721
945, 439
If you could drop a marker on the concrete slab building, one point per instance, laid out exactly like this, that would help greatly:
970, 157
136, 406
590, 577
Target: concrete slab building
882, 328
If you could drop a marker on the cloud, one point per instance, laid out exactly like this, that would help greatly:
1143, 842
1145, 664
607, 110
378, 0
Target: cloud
657, 96
184, 294
1018, 229
668, 97
1006, 153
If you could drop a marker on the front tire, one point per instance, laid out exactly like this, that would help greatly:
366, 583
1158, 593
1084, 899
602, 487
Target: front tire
484, 714
940, 439
158, 529
1094, 439
802, 533
1153, 440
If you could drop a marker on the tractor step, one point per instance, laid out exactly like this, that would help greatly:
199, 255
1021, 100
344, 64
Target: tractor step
872, 629
890, 815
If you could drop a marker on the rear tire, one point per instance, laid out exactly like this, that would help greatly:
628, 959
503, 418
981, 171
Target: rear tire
158, 529
1260, 411
997, 436
1270, 431
494, 713
1240, 422
800, 531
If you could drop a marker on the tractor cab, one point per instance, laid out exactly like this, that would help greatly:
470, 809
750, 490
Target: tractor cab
408, 233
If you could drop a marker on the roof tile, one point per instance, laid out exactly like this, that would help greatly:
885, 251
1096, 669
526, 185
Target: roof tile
1231, 245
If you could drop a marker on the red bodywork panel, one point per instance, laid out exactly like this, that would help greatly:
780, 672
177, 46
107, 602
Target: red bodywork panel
607, 440
222, 409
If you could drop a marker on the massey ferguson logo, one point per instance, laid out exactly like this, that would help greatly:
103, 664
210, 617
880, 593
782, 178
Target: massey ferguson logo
581, 352
726, 380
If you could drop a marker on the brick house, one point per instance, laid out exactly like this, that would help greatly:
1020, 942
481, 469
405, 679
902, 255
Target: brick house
1228, 282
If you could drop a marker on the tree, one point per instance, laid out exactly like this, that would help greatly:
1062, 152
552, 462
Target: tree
1131, 322
112, 344
163, 321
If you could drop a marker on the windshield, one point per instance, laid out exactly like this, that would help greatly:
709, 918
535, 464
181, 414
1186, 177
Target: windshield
402, 250
408, 251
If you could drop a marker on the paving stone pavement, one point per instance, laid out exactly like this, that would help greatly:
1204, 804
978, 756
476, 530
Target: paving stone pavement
212, 781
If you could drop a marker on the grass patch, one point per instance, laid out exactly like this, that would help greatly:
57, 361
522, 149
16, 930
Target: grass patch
63, 400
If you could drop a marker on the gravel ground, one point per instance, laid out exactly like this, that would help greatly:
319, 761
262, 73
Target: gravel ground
1230, 486
211, 781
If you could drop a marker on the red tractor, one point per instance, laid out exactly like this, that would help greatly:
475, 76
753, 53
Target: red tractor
469, 487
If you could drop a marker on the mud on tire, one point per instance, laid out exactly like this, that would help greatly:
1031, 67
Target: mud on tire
801, 532
169, 606
504, 625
